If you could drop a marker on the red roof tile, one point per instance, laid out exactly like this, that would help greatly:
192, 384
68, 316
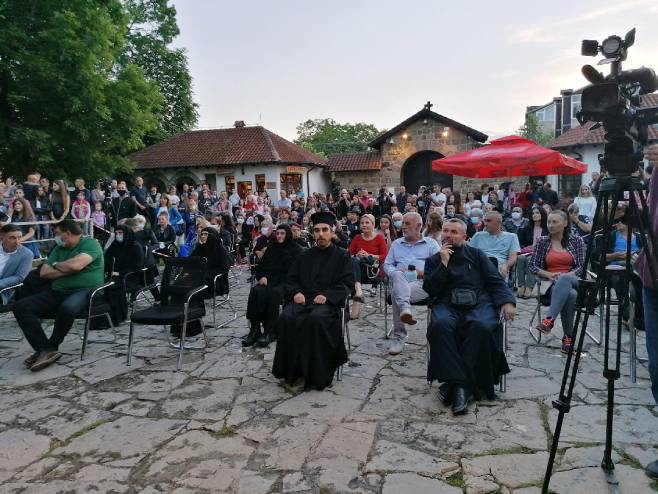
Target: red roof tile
354, 162
586, 134
234, 146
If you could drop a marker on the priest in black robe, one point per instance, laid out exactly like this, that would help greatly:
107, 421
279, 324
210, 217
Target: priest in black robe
310, 342
466, 352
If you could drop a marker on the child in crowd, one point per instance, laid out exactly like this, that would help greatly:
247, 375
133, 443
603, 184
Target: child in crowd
81, 210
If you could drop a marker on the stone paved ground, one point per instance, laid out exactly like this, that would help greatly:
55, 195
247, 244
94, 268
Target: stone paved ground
225, 424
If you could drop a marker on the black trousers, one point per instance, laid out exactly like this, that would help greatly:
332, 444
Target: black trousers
466, 348
263, 305
65, 306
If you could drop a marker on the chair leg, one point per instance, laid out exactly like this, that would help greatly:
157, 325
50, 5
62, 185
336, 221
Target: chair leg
182, 344
85, 337
535, 314
503, 378
130, 342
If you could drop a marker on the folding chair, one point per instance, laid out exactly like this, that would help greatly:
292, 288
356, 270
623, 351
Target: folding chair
98, 306
182, 281
8, 308
345, 333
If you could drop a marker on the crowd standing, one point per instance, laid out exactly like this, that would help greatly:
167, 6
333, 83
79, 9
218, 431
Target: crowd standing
313, 255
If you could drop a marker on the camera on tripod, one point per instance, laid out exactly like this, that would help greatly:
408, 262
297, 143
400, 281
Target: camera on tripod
614, 101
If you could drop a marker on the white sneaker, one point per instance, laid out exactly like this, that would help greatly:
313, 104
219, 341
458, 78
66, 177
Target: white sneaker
396, 347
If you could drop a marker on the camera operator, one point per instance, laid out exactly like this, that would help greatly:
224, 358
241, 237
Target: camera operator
384, 202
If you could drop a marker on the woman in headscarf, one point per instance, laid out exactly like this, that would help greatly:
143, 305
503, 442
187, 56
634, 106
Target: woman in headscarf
124, 254
266, 295
207, 245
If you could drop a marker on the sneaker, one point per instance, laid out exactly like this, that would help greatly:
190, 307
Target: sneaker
546, 325
396, 347
567, 344
45, 359
408, 318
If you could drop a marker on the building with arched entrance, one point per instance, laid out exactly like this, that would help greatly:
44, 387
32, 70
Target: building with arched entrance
404, 154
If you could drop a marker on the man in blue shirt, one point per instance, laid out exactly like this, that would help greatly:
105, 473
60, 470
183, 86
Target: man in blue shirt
496, 243
407, 252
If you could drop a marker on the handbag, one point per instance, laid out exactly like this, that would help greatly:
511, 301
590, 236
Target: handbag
463, 298
545, 286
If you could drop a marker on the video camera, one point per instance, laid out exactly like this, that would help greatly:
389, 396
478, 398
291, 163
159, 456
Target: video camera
614, 101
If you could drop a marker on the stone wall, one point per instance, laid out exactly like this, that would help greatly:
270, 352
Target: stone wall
422, 135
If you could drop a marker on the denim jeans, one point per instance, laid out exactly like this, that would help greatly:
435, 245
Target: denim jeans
650, 299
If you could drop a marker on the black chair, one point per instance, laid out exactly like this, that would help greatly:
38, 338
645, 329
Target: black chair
181, 301
225, 299
8, 308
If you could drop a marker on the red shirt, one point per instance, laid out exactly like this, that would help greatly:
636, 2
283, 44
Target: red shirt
559, 262
377, 246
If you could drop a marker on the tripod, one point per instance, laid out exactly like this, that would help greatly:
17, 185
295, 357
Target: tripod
591, 291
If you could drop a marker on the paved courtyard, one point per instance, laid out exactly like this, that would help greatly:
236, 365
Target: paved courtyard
225, 424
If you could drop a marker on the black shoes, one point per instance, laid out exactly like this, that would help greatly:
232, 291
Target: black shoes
652, 470
266, 338
460, 400
250, 339
445, 394
45, 359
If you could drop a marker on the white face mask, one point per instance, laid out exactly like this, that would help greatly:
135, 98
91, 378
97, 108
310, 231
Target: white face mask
265, 230
516, 215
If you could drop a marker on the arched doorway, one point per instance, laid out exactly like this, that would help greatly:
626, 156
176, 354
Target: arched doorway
417, 171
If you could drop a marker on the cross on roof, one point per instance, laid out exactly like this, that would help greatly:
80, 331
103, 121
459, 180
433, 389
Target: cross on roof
428, 106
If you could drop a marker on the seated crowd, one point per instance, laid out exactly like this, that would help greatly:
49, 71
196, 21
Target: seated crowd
310, 258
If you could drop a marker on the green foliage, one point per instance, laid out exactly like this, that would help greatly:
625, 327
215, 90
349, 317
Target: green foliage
151, 29
533, 130
66, 107
325, 136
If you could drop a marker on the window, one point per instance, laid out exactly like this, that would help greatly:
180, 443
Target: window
229, 181
575, 105
546, 114
260, 183
291, 182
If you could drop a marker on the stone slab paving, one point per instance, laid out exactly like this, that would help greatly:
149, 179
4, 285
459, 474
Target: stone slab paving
225, 424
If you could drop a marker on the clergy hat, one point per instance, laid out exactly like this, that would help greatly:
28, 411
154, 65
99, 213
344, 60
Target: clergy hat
323, 217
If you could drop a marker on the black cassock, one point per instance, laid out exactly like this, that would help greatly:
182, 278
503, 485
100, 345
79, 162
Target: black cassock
466, 345
310, 342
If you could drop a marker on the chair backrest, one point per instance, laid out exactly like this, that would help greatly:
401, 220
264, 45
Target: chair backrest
181, 274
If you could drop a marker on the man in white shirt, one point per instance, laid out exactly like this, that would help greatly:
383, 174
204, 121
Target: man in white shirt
438, 197
283, 202
234, 198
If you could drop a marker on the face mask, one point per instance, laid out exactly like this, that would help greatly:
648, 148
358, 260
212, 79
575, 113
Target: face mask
140, 226
121, 192
119, 238
397, 224
265, 230
475, 220
59, 241
516, 215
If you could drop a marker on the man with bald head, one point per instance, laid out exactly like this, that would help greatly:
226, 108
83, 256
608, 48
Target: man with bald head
468, 294
496, 243
405, 267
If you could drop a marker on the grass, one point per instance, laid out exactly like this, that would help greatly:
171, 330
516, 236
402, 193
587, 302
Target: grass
544, 409
56, 443
508, 451
456, 480
225, 431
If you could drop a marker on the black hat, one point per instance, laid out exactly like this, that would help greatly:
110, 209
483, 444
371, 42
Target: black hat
323, 217
356, 209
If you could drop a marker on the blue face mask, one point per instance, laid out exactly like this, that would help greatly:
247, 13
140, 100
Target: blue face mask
475, 219
397, 224
59, 241
119, 238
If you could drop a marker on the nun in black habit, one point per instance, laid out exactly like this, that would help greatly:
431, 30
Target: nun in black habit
267, 293
468, 294
310, 342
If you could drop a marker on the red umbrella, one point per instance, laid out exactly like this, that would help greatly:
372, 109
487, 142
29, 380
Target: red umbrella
511, 156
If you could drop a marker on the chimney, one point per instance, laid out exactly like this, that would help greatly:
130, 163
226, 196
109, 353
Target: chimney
238, 124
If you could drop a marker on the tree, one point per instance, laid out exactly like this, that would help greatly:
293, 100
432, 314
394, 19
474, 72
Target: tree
66, 106
325, 136
151, 29
533, 130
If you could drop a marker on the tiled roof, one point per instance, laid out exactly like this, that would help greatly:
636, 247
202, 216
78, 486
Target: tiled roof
234, 146
592, 133
354, 162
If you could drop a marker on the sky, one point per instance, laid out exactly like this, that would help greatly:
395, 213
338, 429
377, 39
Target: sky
279, 63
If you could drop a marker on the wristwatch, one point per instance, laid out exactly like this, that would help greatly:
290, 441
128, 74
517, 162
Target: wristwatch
54, 266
